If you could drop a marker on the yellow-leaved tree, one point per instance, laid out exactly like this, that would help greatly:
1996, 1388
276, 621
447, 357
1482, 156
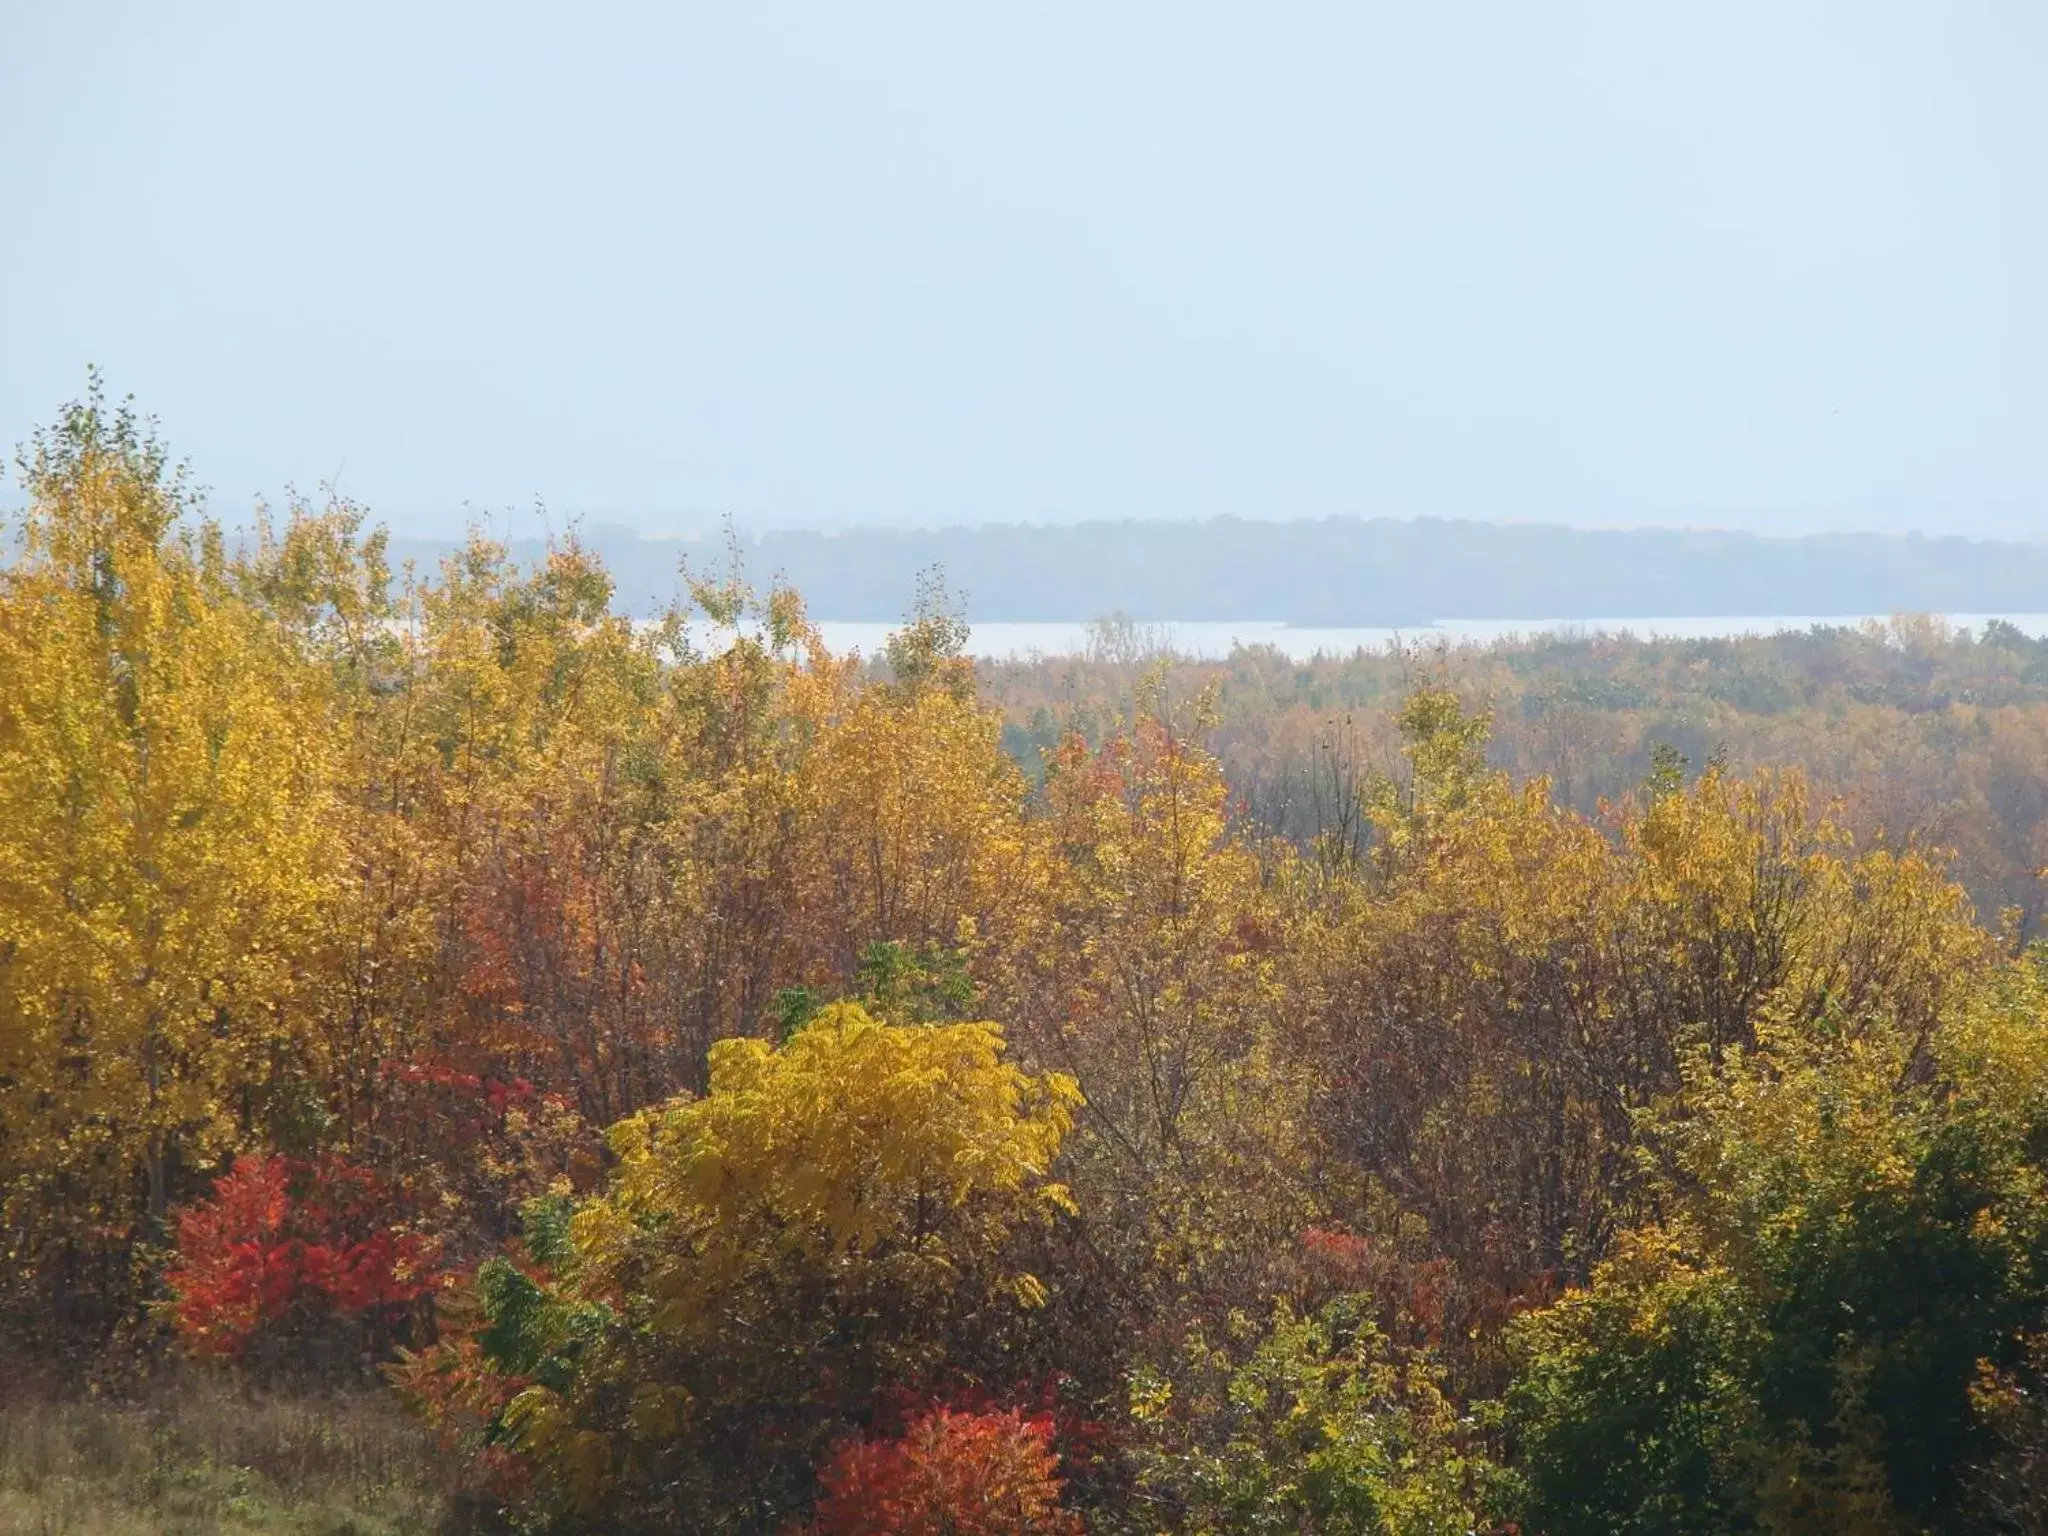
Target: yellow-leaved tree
1145, 966
162, 821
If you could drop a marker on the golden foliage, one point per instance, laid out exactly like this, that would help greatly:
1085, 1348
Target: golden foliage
167, 829
856, 1144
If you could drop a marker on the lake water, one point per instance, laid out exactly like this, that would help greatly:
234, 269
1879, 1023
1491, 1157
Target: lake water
1217, 639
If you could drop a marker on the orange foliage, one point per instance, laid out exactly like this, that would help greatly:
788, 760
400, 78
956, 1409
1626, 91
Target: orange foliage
949, 1474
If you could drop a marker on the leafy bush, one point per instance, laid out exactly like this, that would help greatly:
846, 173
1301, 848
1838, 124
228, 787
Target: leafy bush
285, 1249
1637, 1410
1322, 1425
949, 1473
1827, 1335
832, 1219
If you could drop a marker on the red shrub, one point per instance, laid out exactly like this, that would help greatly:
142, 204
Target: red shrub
949, 1474
282, 1238
1410, 1293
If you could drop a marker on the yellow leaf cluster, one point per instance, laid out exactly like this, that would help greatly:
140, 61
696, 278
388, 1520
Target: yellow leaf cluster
856, 1143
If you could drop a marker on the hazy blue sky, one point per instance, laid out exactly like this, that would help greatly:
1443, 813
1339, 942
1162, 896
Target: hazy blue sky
1757, 262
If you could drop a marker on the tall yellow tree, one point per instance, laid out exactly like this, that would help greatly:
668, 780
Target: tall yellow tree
162, 818
1144, 965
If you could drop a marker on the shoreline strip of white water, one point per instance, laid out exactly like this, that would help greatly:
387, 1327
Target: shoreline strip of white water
1215, 639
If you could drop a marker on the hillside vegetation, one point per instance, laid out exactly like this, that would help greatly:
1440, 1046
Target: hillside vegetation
713, 1085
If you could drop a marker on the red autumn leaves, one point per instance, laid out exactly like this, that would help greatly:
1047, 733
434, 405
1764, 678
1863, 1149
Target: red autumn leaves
288, 1238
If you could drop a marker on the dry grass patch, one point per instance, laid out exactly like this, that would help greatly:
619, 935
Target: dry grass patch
200, 1457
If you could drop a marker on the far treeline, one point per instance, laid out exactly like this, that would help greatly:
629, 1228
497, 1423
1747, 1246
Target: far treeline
1918, 734
718, 1088
1345, 571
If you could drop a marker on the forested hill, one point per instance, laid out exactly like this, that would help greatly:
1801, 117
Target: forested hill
1377, 571
1555, 1087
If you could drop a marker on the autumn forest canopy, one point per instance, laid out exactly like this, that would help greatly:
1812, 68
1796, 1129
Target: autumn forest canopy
1569, 1088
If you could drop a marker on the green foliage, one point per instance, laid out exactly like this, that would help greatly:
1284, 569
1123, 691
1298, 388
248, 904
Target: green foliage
1322, 1426
921, 987
1667, 771
793, 1008
1858, 1236
1635, 1410
532, 1329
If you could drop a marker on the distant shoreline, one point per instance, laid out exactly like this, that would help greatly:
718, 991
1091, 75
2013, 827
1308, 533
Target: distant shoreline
1334, 573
